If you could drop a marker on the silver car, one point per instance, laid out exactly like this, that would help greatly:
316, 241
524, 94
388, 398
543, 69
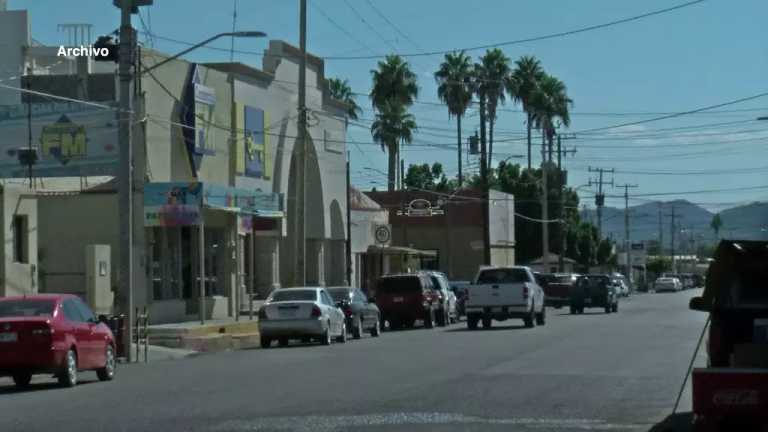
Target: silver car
306, 314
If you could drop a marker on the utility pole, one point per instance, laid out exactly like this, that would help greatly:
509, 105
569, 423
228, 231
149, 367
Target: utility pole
485, 185
563, 180
672, 240
600, 197
402, 173
461, 176
125, 170
349, 230
661, 231
301, 241
544, 208
627, 243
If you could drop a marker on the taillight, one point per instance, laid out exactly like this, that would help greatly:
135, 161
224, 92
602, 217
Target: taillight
526, 292
347, 310
262, 314
316, 313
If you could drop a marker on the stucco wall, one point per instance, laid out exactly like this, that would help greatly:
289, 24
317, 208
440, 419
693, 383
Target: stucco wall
19, 278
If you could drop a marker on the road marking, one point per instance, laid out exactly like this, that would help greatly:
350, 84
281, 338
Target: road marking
332, 423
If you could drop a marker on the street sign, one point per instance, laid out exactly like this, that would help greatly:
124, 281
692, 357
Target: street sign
383, 234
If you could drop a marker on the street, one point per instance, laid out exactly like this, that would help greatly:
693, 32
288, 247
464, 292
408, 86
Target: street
583, 372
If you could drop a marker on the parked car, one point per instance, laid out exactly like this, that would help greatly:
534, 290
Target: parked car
557, 291
459, 289
667, 284
594, 291
360, 314
447, 313
503, 293
622, 284
53, 334
307, 313
405, 298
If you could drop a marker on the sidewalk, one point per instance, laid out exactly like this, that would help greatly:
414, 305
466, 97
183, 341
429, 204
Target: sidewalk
213, 336
161, 353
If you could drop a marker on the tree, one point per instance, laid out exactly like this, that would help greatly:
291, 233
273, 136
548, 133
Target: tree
521, 85
393, 126
340, 90
426, 178
659, 265
605, 252
394, 89
454, 79
492, 76
550, 103
716, 225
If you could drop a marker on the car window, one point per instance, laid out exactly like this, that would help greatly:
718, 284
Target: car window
502, 276
72, 312
326, 298
435, 283
294, 295
339, 294
360, 297
399, 285
84, 310
26, 308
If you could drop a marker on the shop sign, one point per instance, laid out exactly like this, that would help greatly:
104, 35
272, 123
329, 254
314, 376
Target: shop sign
420, 208
172, 204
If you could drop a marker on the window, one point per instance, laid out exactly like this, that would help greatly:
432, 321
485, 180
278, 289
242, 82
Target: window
26, 308
72, 312
399, 285
20, 232
294, 295
340, 294
503, 276
85, 311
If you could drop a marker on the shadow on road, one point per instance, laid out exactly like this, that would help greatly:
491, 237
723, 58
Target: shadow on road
481, 329
584, 313
39, 387
679, 422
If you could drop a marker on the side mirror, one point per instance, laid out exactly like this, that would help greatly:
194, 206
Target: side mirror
699, 304
103, 318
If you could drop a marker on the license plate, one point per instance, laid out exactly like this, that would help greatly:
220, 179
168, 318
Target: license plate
8, 337
288, 313
397, 300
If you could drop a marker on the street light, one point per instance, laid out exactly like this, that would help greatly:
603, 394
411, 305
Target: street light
239, 34
762, 118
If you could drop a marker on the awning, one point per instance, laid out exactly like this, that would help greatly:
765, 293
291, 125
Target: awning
399, 250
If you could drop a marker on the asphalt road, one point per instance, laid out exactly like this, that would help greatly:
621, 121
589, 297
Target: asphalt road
617, 372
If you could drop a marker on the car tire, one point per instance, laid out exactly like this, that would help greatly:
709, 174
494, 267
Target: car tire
266, 342
22, 379
343, 336
541, 318
487, 322
574, 311
394, 324
429, 319
107, 373
608, 308
616, 307
472, 322
68, 374
283, 342
530, 320
581, 310
440, 317
326, 338
357, 332
376, 330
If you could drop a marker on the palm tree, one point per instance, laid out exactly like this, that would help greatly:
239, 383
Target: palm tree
716, 225
393, 126
521, 86
341, 91
394, 89
494, 74
549, 103
454, 79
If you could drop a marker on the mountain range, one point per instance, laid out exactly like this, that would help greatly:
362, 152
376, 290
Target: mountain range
692, 222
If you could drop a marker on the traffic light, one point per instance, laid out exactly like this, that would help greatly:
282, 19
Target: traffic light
108, 43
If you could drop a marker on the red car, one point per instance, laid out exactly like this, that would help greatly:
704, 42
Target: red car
53, 334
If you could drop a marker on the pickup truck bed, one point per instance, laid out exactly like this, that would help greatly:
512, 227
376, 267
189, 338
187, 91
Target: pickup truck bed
504, 293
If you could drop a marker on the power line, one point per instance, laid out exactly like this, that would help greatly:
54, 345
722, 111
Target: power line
391, 24
339, 27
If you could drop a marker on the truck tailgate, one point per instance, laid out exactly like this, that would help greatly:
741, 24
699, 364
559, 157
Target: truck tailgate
506, 294
731, 392
557, 290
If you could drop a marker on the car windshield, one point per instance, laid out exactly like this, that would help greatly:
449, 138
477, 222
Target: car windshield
562, 279
502, 276
26, 308
593, 282
294, 295
399, 285
340, 294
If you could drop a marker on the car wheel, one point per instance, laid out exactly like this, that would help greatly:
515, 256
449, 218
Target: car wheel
376, 331
326, 339
608, 308
357, 332
107, 373
283, 342
472, 322
530, 320
265, 342
487, 322
68, 375
394, 324
581, 309
22, 379
573, 310
616, 307
343, 336
541, 318
440, 317
429, 320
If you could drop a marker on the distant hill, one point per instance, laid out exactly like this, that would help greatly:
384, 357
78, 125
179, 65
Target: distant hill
744, 222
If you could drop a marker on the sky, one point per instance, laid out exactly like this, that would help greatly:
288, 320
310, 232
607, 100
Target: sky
702, 55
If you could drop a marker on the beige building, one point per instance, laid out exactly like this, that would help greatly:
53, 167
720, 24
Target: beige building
18, 256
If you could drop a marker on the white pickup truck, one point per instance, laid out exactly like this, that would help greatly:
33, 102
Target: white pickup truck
502, 293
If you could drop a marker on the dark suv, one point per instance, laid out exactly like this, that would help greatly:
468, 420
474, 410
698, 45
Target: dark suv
405, 298
594, 291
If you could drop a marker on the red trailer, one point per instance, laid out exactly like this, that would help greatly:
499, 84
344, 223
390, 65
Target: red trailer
731, 394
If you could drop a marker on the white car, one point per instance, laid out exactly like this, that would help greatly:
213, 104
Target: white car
307, 314
667, 284
448, 313
501, 293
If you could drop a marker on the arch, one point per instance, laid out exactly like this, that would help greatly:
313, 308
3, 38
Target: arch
338, 228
